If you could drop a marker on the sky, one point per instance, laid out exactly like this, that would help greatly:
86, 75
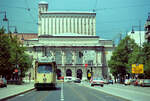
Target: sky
113, 17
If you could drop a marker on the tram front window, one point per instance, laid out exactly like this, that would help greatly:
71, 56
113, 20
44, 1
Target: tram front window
44, 68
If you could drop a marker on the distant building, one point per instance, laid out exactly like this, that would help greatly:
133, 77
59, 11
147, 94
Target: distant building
147, 29
138, 36
25, 36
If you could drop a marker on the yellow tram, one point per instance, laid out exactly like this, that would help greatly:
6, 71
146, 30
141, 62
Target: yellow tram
45, 73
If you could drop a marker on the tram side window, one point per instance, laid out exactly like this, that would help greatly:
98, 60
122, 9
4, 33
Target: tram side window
44, 68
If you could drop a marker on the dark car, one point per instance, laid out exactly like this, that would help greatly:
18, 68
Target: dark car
145, 83
77, 81
3, 82
110, 82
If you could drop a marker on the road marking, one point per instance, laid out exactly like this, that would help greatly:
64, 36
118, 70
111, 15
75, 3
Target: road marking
79, 94
62, 93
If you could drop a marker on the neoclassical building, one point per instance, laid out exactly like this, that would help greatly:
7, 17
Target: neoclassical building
70, 38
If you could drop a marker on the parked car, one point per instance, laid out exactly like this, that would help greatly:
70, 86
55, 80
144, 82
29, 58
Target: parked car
77, 80
137, 82
97, 81
132, 81
106, 81
145, 83
127, 82
110, 82
3, 82
68, 79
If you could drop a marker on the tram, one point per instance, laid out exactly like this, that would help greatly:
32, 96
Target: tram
45, 73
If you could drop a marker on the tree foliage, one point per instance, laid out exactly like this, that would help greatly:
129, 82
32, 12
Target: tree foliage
128, 53
12, 55
123, 56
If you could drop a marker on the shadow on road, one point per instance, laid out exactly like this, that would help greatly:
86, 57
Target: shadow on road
49, 89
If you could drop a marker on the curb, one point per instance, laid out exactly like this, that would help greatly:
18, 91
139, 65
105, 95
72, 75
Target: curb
11, 96
122, 97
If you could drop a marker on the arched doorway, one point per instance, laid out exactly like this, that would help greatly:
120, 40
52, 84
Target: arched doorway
58, 73
79, 73
68, 72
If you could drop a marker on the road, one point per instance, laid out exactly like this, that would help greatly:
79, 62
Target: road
67, 92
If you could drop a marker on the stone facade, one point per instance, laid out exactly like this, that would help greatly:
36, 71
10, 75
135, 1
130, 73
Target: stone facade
70, 38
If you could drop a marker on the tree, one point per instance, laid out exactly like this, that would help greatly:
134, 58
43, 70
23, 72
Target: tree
12, 55
120, 62
145, 58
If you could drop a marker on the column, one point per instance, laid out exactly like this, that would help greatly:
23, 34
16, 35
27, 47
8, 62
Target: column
83, 27
52, 28
76, 24
53, 55
50, 33
90, 25
46, 25
86, 24
42, 31
68, 21
84, 73
74, 58
63, 58
57, 25
79, 24
39, 26
72, 25
94, 26
54, 25
96, 58
64, 24
61, 25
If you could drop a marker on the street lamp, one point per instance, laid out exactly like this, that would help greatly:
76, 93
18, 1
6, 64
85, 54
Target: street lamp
139, 30
15, 28
5, 19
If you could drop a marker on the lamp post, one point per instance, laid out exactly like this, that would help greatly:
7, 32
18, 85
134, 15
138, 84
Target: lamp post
139, 31
139, 26
5, 19
15, 28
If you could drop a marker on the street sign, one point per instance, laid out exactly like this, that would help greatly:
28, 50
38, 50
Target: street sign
140, 69
137, 69
133, 68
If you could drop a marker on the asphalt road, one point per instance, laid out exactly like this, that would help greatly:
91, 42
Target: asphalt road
66, 92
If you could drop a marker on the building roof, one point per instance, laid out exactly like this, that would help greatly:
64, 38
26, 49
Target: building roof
25, 36
69, 12
69, 34
137, 35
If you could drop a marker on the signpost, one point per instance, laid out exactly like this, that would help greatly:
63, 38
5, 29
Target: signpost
137, 69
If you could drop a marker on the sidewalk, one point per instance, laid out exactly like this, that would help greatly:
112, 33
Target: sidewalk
13, 90
122, 91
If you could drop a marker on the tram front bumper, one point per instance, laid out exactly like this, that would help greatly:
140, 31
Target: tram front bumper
44, 85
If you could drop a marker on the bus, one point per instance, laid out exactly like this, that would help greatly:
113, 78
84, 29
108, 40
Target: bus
45, 73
